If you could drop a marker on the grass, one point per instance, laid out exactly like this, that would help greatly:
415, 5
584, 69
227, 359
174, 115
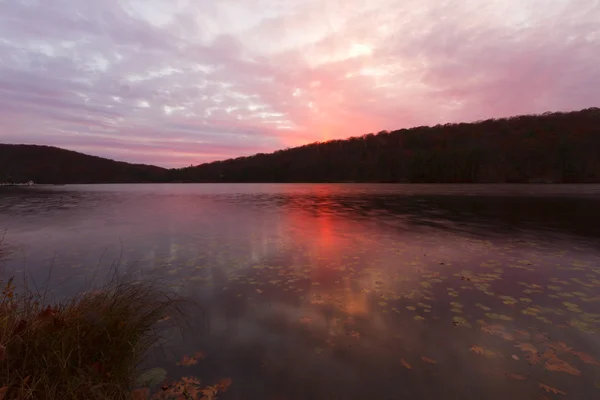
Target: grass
89, 347
85, 348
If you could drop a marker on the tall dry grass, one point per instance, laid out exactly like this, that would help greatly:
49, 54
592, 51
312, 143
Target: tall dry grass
89, 346
85, 348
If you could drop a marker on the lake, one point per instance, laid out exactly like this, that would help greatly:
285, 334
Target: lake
343, 291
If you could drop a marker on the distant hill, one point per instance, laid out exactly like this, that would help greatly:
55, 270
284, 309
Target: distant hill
553, 147
45, 164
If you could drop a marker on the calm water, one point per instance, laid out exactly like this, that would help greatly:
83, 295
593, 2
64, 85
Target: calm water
345, 291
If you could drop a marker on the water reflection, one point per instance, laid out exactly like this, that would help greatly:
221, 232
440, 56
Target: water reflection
347, 291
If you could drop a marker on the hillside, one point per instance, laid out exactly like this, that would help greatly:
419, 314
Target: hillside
553, 147
45, 164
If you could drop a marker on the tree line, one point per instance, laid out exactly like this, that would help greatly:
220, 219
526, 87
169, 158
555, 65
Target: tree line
552, 147
560, 147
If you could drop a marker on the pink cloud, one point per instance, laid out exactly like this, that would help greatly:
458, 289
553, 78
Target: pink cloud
183, 82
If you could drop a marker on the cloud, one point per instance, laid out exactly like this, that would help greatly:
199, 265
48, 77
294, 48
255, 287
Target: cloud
184, 82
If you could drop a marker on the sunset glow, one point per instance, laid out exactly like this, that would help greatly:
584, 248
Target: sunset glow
180, 82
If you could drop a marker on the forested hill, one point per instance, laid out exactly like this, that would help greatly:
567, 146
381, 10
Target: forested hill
45, 164
553, 147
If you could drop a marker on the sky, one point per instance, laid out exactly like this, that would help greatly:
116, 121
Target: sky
182, 82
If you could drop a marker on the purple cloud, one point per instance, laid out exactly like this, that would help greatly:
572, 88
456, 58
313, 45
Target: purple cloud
182, 82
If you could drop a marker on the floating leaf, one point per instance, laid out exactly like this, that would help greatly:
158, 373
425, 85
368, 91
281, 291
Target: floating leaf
405, 364
428, 360
187, 361
533, 311
498, 316
411, 308
553, 363
418, 318
211, 392
497, 330
481, 351
525, 299
527, 348
586, 358
550, 389
456, 320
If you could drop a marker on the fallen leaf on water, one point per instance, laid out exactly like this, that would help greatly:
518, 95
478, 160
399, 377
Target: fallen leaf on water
497, 330
498, 316
553, 363
259, 291
527, 347
306, 320
211, 392
355, 335
418, 318
550, 389
428, 360
405, 364
516, 357
224, 384
481, 351
187, 361
586, 358
460, 321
